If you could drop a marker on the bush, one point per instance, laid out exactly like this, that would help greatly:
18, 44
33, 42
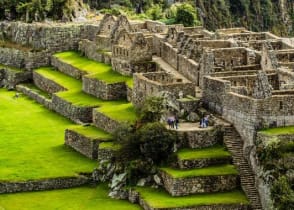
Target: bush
155, 12
282, 194
186, 15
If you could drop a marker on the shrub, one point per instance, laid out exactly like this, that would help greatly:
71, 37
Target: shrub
282, 194
152, 110
155, 12
186, 15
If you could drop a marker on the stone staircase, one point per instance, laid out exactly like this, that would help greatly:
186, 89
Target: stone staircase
234, 143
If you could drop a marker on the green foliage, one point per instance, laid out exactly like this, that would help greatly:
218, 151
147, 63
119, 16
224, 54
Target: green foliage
37, 10
186, 15
282, 194
155, 12
152, 110
143, 148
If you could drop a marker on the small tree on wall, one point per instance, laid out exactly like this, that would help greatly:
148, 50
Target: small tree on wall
186, 15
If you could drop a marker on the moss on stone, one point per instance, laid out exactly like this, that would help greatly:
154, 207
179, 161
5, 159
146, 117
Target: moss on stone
109, 146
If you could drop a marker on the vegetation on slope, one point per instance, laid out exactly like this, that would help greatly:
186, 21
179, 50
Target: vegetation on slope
83, 198
32, 142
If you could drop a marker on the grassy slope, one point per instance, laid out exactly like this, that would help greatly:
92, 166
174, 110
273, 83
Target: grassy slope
84, 198
210, 152
158, 198
279, 131
98, 70
91, 132
207, 171
32, 142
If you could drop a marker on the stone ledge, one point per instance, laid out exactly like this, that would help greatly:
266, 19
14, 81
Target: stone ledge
104, 122
84, 145
67, 68
44, 184
198, 184
75, 113
105, 91
46, 84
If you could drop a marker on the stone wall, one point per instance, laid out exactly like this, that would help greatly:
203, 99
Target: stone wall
149, 84
103, 90
189, 68
36, 96
45, 84
23, 59
91, 50
204, 137
104, 122
82, 144
126, 68
53, 37
10, 78
169, 54
45, 184
198, 184
67, 68
75, 113
200, 163
105, 154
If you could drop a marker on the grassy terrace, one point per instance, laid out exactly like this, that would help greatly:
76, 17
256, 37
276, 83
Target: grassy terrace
123, 112
158, 198
109, 145
278, 131
60, 78
32, 142
210, 152
97, 70
84, 198
37, 90
91, 132
207, 171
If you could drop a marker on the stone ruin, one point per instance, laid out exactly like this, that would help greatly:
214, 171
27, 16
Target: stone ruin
245, 77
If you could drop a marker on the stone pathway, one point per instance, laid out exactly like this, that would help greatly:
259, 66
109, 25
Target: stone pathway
189, 127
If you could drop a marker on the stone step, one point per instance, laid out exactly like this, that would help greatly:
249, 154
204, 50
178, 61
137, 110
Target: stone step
204, 180
198, 158
86, 139
158, 199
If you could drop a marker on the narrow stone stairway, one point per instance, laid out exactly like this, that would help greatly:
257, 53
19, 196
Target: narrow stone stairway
234, 144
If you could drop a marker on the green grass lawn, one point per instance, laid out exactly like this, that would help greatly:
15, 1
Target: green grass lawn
84, 198
62, 79
11, 68
91, 132
32, 142
99, 70
109, 145
158, 198
210, 152
123, 112
279, 131
225, 169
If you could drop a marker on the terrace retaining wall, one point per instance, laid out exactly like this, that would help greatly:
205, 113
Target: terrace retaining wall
104, 122
10, 78
75, 113
44, 184
199, 184
45, 84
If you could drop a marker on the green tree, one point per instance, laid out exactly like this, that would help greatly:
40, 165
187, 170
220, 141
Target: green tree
186, 15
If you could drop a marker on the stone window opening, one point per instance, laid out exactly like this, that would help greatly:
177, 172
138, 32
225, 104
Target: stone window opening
108, 27
281, 105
